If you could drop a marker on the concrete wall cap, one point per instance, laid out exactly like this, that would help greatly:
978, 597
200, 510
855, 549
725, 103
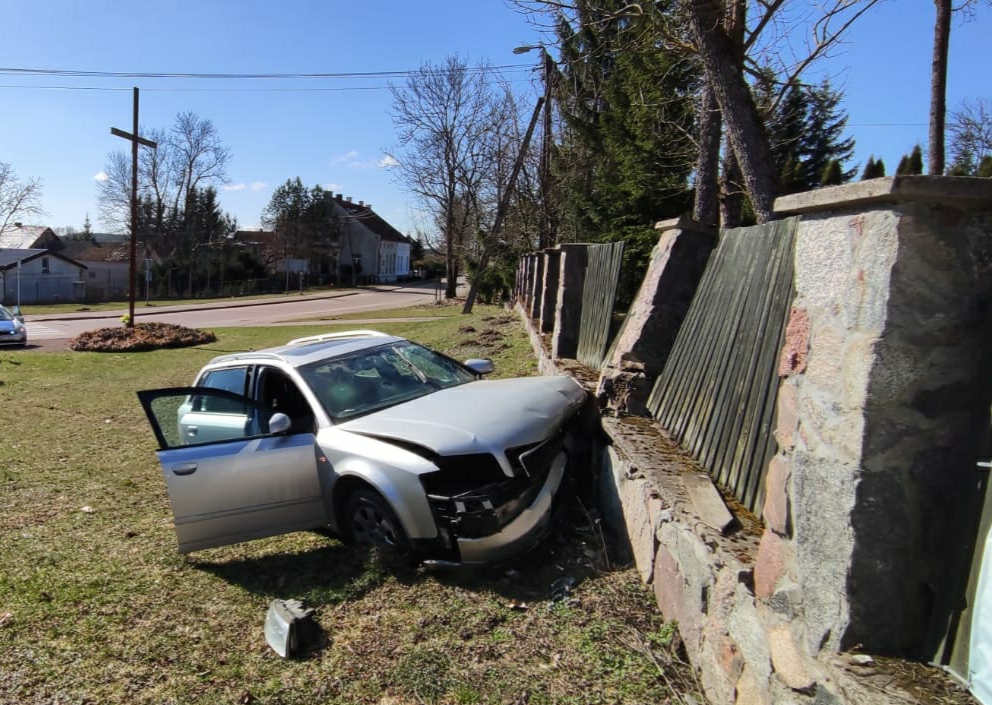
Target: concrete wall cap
683, 222
959, 191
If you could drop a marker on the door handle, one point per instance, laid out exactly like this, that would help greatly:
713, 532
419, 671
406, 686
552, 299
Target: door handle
184, 469
192, 430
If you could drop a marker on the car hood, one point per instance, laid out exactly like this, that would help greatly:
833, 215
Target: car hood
8, 326
478, 417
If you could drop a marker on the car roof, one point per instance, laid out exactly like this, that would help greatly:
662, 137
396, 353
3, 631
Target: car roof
302, 351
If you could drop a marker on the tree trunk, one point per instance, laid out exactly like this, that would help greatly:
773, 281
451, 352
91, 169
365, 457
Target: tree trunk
706, 209
732, 194
938, 86
725, 75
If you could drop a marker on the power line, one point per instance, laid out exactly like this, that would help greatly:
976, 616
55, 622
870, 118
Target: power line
76, 73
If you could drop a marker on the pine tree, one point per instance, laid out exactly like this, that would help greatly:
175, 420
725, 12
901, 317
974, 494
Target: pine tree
87, 227
984, 169
823, 138
869, 170
912, 163
832, 174
873, 169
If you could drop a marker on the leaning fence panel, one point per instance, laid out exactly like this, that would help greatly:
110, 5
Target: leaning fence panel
717, 393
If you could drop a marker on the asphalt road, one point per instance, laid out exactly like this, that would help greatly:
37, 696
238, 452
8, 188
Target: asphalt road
239, 312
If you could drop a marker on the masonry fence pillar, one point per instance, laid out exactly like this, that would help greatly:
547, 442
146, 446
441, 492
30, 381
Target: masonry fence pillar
642, 346
549, 300
568, 306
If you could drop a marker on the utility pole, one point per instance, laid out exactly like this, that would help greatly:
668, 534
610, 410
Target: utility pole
545, 235
501, 209
135, 141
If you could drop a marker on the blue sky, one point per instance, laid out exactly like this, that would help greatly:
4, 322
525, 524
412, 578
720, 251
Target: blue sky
338, 137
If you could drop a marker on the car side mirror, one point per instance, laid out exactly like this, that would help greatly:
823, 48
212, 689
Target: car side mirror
16, 310
481, 366
279, 423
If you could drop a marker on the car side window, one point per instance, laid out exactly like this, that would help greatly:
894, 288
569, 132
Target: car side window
278, 393
233, 379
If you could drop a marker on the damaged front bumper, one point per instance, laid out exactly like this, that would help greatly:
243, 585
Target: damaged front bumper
500, 517
521, 533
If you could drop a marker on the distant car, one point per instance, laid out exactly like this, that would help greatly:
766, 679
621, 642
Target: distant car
382, 439
12, 328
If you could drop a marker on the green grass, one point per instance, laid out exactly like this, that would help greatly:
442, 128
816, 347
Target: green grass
96, 606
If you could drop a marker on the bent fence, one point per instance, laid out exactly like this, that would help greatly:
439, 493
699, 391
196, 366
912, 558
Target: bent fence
716, 395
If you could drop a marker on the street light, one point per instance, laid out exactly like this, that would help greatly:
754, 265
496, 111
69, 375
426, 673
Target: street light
545, 236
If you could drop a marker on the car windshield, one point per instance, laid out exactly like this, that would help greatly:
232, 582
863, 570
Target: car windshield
381, 377
5, 315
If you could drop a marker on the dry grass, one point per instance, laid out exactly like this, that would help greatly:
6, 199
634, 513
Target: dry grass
97, 607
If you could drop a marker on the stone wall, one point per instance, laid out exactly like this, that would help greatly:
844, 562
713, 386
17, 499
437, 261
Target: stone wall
871, 501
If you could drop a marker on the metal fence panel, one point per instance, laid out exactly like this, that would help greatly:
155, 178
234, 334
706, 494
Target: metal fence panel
717, 393
598, 295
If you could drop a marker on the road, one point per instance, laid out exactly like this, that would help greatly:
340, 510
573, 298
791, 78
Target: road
238, 312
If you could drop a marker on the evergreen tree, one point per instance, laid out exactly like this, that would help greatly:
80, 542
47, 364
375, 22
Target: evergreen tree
87, 227
806, 132
832, 174
985, 168
911, 163
823, 138
626, 154
873, 169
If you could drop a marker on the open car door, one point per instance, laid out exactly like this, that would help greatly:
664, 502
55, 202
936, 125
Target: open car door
229, 477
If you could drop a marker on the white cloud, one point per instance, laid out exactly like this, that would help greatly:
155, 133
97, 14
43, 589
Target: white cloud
387, 161
233, 187
350, 158
100, 176
333, 187
257, 186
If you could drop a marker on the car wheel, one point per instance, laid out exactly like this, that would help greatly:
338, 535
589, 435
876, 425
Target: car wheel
372, 522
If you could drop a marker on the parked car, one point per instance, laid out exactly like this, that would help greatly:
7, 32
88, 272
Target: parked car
12, 328
379, 438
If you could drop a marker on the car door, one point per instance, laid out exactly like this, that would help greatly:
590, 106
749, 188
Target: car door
229, 479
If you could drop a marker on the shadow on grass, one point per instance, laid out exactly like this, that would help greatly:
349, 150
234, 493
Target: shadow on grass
322, 576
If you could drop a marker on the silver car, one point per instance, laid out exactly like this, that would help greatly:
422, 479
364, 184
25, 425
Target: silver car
12, 329
382, 439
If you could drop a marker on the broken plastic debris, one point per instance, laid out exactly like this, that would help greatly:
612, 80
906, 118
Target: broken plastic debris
87, 509
862, 660
289, 627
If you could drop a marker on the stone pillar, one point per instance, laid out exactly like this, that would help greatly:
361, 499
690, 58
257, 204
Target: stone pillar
642, 346
537, 286
528, 283
552, 274
882, 412
568, 308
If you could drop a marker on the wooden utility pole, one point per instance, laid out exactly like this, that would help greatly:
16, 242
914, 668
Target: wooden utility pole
501, 209
135, 141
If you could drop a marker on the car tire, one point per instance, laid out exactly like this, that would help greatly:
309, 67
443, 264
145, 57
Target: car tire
372, 522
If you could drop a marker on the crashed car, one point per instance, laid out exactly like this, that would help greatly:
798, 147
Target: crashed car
381, 439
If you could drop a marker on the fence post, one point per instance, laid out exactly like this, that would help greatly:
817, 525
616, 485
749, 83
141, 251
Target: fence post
568, 306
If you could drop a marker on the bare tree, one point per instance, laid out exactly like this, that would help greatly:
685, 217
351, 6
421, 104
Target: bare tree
451, 123
190, 156
18, 199
970, 130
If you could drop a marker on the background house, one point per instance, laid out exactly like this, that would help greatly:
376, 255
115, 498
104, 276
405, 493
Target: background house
24, 237
371, 250
36, 276
107, 258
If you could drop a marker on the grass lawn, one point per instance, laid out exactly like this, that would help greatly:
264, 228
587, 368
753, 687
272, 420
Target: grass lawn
96, 606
